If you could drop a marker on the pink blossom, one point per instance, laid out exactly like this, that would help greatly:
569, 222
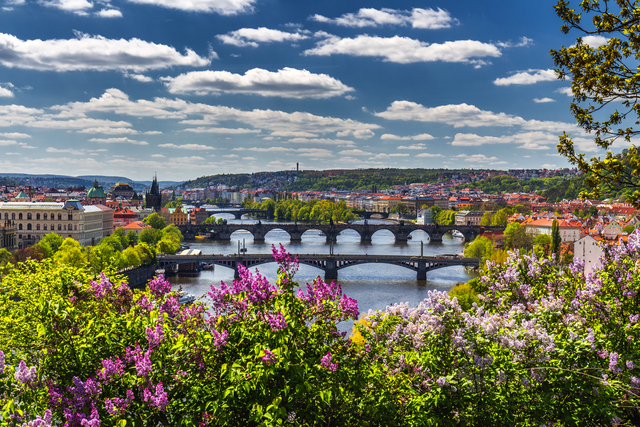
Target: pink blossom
158, 399
159, 286
325, 362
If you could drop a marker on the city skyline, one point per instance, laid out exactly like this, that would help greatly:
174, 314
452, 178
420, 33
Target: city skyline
227, 86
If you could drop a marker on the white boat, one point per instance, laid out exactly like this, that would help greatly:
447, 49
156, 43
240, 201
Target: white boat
457, 235
186, 299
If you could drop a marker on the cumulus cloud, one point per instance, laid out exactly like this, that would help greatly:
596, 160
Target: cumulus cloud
388, 156
123, 140
595, 41
412, 147
294, 134
536, 140
78, 7
314, 152
473, 140
222, 130
5, 93
222, 7
14, 135
428, 155
7, 142
360, 133
139, 77
109, 130
109, 13
480, 158
527, 78
187, 146
94, 53
565, 91
322, 141
254, 36
404, 50
354, 152
543, 100
285, 83
367, 17
524, 41
421, 137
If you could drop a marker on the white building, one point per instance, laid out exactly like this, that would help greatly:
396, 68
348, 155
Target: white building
86, 224
588, 249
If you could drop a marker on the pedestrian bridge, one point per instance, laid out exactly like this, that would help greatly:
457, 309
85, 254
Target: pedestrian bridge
330, 264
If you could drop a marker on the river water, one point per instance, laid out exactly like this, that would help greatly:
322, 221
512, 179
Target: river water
374, 286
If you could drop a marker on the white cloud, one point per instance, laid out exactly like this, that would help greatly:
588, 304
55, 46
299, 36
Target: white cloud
95, 53
5, 93
421, 137
417, 18
480, 158
253, 36
360, 133
109, 13
222, 130
123, 140
354, 152
262, 149
222, 7
230, 156
565, 91
7, 142
412, 147
157, 155
473, 140
457, 115
14, 135
313, 152
595, 41
78, 7
388, 156
249, 158
109, 130
322, 141
524, 41
187, 146
428, 155
65, 150
527, 78
404, 50
300, 134
285, 83
543, 100
139, 77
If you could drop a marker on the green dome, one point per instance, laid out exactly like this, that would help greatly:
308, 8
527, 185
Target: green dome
96, 193
22, 196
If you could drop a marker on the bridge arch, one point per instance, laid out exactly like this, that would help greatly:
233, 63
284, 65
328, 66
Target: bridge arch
350, 235
380, 232
240, 233
277, 230
419, 234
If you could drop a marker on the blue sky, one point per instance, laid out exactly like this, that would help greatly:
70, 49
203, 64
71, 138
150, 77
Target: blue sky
198, 87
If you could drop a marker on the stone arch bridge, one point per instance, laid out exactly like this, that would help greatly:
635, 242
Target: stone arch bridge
330, 264
400, 230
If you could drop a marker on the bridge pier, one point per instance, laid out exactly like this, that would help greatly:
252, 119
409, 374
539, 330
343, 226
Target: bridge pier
258, 236
422, 269
401, 237
365, 237
435, 236
222, 236
330, 269
295, 236
332, 236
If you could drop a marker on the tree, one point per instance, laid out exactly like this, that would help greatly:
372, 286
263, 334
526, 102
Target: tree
481, 247
556, 240
486, 219
605, 83
71, 253
500, 217
542, 240
132, 237
150, 236
5, 256
132, 257
121, 235
155, 221
51, 242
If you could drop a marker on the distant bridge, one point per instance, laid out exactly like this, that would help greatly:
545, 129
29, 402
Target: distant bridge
330, 264
237, 213
400, 230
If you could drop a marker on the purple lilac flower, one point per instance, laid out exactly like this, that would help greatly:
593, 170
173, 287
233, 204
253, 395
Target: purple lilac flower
635, 382
159, 286
615, 421
83, 392
442, 381
145, 303
158, 399
349, 306
633, 318
25, 375
613, 361
630, 364
220, 339
94, 419
155, 335
269, 357
325, 362
110, 369
41, 421
143, 363
118, 406
102, 288
1, 362
171, 306
276, 321
283, 258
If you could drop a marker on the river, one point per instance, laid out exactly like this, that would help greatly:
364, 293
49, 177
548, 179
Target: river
374, 286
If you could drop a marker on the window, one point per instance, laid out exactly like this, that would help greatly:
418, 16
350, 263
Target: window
64, 227
38, 227
38, 217
19, 226
29, 226
13, 216
45, 227
70, 216
6, 215
20, 215
75, 227
45, 217
29, 216
53, 227
59, 227
59, 217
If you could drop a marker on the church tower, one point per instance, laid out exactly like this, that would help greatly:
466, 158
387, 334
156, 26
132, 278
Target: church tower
153, 197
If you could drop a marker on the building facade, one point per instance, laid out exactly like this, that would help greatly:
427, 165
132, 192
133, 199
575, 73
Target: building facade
8, 235
86, 224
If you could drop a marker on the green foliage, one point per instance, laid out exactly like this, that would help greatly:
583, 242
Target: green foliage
177, 203
71, 254
510, 184
481, 247
212, 220
465, 294
500, 217
517, 237
150, 236
322, 211
155, 221
132, 237
604, 83
486, 219
543, 240
629, 229
445, 217
566, 190
51, 242
5, 256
